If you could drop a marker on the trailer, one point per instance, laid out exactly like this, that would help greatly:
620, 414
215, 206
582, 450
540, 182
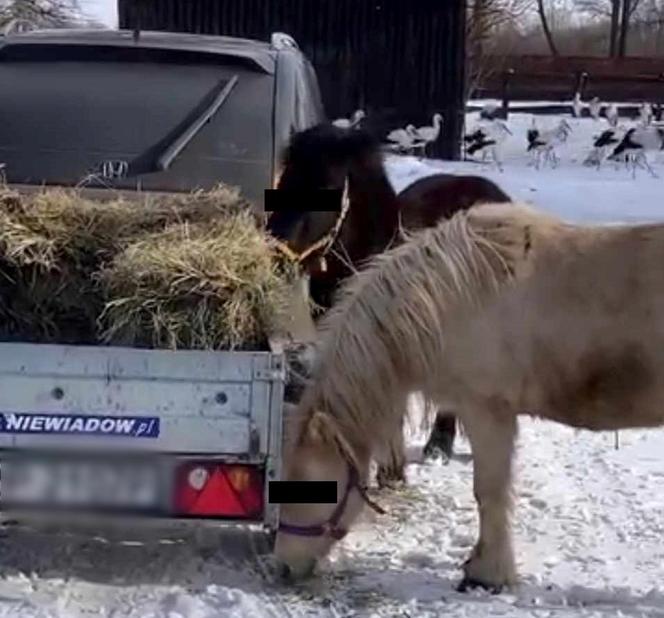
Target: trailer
165, 436
175, 435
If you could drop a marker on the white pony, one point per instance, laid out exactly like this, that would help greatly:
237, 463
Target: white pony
498, 312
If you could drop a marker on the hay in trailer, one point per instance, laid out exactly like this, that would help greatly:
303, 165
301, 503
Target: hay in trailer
38, 227
196, 286
45, 266
55, 243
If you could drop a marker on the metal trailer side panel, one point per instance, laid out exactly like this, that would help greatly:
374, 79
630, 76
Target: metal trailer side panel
207, 403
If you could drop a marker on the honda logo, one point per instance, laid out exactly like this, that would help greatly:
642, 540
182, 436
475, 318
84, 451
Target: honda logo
113, 169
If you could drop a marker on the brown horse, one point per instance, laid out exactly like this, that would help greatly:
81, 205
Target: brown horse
326, 157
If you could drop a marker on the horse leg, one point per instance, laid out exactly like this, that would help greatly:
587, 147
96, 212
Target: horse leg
393, 472
441, 440
392, 466
491, 563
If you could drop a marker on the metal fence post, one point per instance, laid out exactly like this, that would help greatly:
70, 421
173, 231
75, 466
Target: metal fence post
507, 77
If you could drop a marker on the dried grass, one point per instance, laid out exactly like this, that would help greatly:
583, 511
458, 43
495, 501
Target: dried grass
184, 271
195, 287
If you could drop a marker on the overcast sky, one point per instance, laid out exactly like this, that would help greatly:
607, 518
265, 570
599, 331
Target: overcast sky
104, 11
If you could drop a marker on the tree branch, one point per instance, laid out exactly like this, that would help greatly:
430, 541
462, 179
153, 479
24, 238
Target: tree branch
545, 27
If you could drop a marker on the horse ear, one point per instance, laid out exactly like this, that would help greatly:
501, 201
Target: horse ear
320, 427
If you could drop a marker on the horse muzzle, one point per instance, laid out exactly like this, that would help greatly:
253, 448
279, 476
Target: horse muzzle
291, 573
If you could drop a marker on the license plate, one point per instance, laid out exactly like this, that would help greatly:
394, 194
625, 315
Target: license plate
79, 484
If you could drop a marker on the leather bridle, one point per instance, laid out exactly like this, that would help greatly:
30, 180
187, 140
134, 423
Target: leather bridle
331, 526
326, 242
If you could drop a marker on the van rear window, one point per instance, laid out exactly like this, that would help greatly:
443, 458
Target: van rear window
62, 119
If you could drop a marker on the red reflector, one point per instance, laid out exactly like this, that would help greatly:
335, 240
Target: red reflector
219, 490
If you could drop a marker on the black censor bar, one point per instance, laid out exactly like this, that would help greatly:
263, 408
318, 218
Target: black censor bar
302, 492
314, 200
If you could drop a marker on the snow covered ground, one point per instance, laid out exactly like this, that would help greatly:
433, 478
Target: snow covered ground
589, 519
571, 191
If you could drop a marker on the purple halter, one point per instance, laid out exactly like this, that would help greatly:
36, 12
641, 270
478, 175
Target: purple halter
331, 526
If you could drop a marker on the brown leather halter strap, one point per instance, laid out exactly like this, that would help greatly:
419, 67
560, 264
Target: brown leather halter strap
326, 242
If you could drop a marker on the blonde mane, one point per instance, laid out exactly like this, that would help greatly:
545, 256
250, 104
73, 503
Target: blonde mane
400, 303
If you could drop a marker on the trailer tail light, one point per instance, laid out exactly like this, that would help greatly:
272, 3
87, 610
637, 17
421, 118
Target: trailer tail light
210, 489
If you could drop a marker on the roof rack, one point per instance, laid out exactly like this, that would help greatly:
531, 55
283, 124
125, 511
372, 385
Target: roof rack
281, 40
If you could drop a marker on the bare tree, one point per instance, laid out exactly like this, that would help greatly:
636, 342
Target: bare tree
615, 24
20, 14
593, 28
545, 27
619, 14
485, 19
624, 27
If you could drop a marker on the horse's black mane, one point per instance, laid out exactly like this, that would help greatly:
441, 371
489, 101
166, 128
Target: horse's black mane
330, 142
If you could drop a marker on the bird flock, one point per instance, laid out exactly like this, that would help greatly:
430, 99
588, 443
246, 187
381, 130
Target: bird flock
411, 139
405, 141
627, 143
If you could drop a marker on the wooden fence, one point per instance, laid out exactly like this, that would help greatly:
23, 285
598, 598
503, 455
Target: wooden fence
527, 78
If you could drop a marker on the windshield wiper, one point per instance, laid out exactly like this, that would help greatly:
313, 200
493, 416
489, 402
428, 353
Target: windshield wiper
161, 155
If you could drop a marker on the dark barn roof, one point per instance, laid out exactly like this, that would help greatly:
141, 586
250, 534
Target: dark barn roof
399, 61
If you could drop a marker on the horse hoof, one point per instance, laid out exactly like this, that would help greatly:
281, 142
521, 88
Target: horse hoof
390, 479
392, 483
436, 453
469, 583
442, 448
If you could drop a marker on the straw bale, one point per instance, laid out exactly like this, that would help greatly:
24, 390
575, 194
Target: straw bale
189, 270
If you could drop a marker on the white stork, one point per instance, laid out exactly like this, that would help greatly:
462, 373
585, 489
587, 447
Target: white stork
612, 115
646, 114
402, 139
430, 134
635, 146
577, 105
349, 123
545, 142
